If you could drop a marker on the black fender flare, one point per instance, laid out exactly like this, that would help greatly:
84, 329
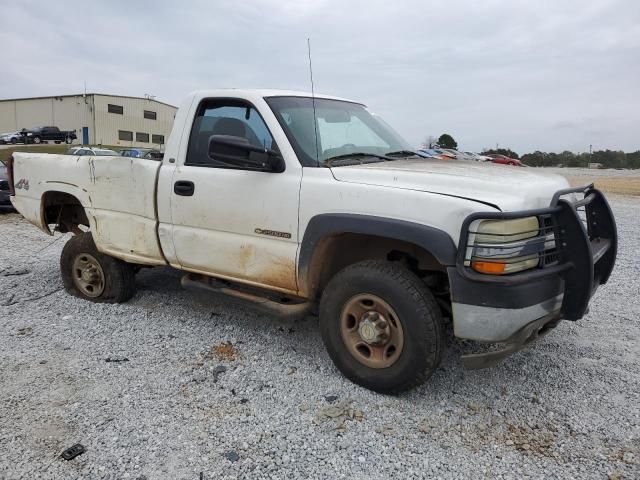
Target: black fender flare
435, 241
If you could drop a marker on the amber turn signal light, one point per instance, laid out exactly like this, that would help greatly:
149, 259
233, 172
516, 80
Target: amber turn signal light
493, 268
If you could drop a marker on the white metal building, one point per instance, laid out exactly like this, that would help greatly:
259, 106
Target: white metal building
96, 118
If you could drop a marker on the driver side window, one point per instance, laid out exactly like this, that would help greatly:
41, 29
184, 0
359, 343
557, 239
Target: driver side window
225, 117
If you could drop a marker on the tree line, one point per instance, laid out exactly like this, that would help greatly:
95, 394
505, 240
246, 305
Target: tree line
607, 158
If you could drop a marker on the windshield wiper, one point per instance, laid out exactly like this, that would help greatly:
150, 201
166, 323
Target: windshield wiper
402, 153
329, 161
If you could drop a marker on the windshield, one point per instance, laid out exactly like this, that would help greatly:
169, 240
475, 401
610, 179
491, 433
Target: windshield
343, 128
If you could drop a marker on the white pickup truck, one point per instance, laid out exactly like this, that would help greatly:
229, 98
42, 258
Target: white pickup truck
302, 204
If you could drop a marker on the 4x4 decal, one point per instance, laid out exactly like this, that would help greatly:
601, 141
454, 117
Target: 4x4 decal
22, 184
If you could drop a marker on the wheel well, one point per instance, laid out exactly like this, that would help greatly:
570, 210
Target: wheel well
64, 211
339, 251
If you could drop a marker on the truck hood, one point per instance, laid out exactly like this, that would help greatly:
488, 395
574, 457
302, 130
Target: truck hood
504, 187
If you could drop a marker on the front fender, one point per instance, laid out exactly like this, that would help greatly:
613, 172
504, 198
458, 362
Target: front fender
433, 240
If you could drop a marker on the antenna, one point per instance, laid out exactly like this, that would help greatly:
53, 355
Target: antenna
313, 101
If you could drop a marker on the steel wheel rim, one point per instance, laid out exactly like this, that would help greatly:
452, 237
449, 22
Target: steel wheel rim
372, 331
88, 276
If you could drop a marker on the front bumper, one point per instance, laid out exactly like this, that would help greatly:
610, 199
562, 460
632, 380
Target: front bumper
493, 308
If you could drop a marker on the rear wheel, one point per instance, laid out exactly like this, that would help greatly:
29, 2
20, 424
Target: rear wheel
382, 326
94, 276
67, 140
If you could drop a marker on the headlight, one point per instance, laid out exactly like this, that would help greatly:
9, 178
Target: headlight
500, 247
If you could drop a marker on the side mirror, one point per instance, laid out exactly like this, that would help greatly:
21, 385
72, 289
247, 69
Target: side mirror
238, 152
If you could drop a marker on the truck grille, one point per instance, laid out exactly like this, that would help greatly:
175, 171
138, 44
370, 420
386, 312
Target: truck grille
551, 254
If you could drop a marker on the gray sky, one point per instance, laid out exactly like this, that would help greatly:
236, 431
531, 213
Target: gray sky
549, 75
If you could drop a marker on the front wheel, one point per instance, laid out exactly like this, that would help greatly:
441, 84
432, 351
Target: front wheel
37, 140
14, 141
68, 140
94, 276
382, 326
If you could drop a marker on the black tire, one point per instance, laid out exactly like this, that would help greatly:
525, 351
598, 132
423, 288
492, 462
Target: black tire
418, 312
119, 277
68, 140
37, 140
14, 141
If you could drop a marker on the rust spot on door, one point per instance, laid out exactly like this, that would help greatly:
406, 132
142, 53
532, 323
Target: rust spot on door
280, 272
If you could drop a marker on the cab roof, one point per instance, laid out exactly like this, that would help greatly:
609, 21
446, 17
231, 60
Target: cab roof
264, 92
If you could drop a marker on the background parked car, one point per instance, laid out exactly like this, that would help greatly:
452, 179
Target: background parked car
48, 134
444, 153
439, 153
456, 154
424, 154
484, 158
504, 160
476, 157
142, 153
12, 137
462, 155
433, 153
92, 151
4, 188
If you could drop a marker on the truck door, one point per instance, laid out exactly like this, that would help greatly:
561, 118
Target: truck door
228, 220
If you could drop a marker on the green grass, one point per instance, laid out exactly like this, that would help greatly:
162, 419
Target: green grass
5, 153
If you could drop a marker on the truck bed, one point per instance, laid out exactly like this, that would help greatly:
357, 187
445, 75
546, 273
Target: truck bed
118, 194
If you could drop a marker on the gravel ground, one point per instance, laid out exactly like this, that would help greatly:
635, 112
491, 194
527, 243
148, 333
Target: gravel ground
592, 172
199, 388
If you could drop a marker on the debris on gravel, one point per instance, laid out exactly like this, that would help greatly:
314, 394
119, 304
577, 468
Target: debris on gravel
339, 413
566, 407
116, 359
232, 456
217, 371
72, 452
9, 272
25, 331
224, 351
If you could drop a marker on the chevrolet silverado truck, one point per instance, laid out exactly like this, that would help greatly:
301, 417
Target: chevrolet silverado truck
302, 204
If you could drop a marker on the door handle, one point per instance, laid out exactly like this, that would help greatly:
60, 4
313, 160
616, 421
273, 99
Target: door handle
184, 188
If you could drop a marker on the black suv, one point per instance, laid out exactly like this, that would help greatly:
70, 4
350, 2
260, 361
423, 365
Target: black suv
47, 134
